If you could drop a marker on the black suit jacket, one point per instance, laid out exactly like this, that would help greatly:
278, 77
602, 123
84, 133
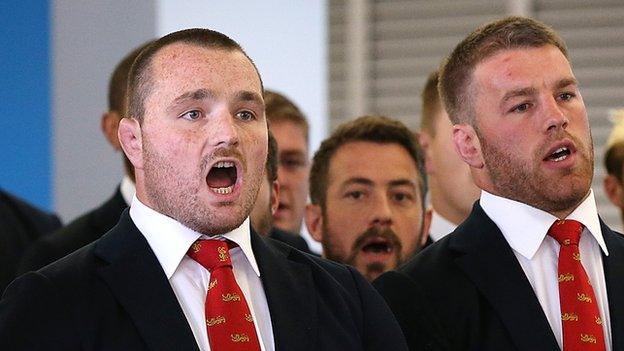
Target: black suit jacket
114, 295
468, 292
294, 240
20, 225
82, 231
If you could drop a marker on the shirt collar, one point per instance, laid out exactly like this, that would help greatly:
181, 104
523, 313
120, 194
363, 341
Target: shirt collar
440, 226
525, 227
170, 239
127, 189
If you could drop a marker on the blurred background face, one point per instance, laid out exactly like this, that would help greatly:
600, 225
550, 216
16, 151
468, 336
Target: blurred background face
292, 174
261, 216
373, 216
451, 187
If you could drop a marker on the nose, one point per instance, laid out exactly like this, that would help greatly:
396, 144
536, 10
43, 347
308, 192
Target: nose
382, 212
225, 132
555, 117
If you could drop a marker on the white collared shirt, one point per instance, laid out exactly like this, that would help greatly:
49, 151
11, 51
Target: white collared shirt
440, 226
525, 228
170, 240
127, 189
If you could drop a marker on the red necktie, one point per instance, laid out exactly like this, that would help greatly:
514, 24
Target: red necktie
582, 326
228, 320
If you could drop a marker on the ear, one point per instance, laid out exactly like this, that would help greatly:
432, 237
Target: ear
613, 189
467, 145
109, 125
426, 226
274, 196
425, 143
314, 221
130, 138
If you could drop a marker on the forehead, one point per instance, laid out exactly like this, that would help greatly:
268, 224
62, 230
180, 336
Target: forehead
378, 162
181, 67
522, 67
289, 135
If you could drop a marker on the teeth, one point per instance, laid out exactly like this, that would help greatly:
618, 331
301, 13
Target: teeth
561, 149
223, 191
224, 164
560, 158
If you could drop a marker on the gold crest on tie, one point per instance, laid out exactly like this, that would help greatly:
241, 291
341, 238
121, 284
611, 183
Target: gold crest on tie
239, 337
215, 320
571, 317
248, 318
588, 338
230, 297
598, 321
212, 284
583, 298
576, 256
568, 277
222, 254
196, 247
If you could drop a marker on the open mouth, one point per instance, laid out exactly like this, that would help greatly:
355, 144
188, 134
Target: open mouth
222, 177
377, 244
560, 153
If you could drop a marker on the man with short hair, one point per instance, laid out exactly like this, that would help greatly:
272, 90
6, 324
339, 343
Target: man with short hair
93, 224
451, 188
290, 128
368, 188
532, 267
261, 215
613, 182
182, 269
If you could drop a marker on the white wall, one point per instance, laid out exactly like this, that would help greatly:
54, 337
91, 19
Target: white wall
287, 39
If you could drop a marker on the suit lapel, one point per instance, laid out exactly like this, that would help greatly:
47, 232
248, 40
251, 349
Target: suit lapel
289, 289
488, 260
614, 274
136, 279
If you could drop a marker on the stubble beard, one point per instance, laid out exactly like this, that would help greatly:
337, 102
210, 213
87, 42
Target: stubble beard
526, 182
182, 202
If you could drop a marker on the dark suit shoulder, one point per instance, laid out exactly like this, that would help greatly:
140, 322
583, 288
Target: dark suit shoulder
336, 294
291, 239
38, 220
80, 232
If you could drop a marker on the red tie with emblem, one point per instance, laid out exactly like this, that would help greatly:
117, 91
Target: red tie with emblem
582, 325
228, 320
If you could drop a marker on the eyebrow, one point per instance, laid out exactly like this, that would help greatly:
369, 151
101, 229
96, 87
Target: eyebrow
562, 83
195, 95
368, 182
249, 96
202, 94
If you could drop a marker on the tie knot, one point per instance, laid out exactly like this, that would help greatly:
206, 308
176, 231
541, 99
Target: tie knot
211, 254
566, 232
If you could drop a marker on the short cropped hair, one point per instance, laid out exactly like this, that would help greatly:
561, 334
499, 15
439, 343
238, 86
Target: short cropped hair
271, 163
140, 82
507, 33
118, 81
614, 160
376, 129
281, 109
430, 104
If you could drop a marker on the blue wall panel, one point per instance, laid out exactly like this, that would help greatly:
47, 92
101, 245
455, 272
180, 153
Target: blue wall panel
25, 114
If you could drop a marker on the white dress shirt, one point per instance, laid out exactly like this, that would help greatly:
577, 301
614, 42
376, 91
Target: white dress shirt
525, 228
440, 227
127, 189
170, 240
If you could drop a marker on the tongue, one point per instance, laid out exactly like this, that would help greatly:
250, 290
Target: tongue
219, 178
